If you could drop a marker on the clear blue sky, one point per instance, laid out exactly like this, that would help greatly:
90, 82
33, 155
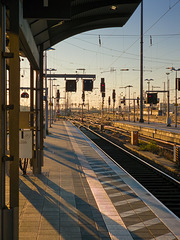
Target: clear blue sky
120, 48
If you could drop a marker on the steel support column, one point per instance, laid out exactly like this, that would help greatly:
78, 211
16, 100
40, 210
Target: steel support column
37, 163
141, 68
46, 93
14, 100
42, 127
34, 159
2, 114
39, 116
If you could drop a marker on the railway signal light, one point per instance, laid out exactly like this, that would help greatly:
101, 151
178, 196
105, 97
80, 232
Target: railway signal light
103, 94
70, 85
152, 98
58, 95
138, 101
24, 95
83, 96
109, 100
123, 101
88, 85
114, 95
102, 85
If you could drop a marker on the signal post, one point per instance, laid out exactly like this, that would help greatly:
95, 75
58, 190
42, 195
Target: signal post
131, 99
102, 89
152, 99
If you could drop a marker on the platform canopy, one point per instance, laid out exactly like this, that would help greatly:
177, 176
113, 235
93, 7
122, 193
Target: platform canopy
85, 15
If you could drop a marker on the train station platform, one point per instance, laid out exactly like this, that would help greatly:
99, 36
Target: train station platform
155, 125
83, 195
154, 130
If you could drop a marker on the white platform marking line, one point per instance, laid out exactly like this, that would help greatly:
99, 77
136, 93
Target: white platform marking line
105, 171
115, 194
111, 181
120, 193
144, 224
115, 187
101, 165
139, 210
133, 212
130, 192
107, 176
94, 160
167, 236
110, 214
100, 168
124, 202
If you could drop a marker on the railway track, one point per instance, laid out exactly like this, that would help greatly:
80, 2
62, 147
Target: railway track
126, 135
165, 188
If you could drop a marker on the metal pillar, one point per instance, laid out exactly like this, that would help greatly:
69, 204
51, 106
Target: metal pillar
34, 158
32, 96
141, 67
14, 100
50, 105
46, 93
168, 97
41, 107
134, 111
37, 164
176, 100
168, 118
2, 114
83, 100
102, 110
39, 117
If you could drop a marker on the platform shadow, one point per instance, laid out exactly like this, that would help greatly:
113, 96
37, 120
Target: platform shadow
74, 211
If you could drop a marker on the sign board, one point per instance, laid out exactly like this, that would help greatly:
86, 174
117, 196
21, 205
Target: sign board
47, 9
152, 98
71, 85
25, 143
87, 84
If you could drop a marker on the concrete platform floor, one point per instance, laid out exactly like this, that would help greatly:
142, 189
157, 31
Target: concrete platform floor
79, 196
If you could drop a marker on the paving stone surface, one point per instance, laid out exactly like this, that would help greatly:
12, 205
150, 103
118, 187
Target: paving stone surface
79, 196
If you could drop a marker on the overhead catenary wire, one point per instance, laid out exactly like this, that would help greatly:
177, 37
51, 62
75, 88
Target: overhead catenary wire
146, 31
136, 56
132, 35
125, 52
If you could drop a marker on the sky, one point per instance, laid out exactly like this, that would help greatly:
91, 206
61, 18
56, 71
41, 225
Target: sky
120, 49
